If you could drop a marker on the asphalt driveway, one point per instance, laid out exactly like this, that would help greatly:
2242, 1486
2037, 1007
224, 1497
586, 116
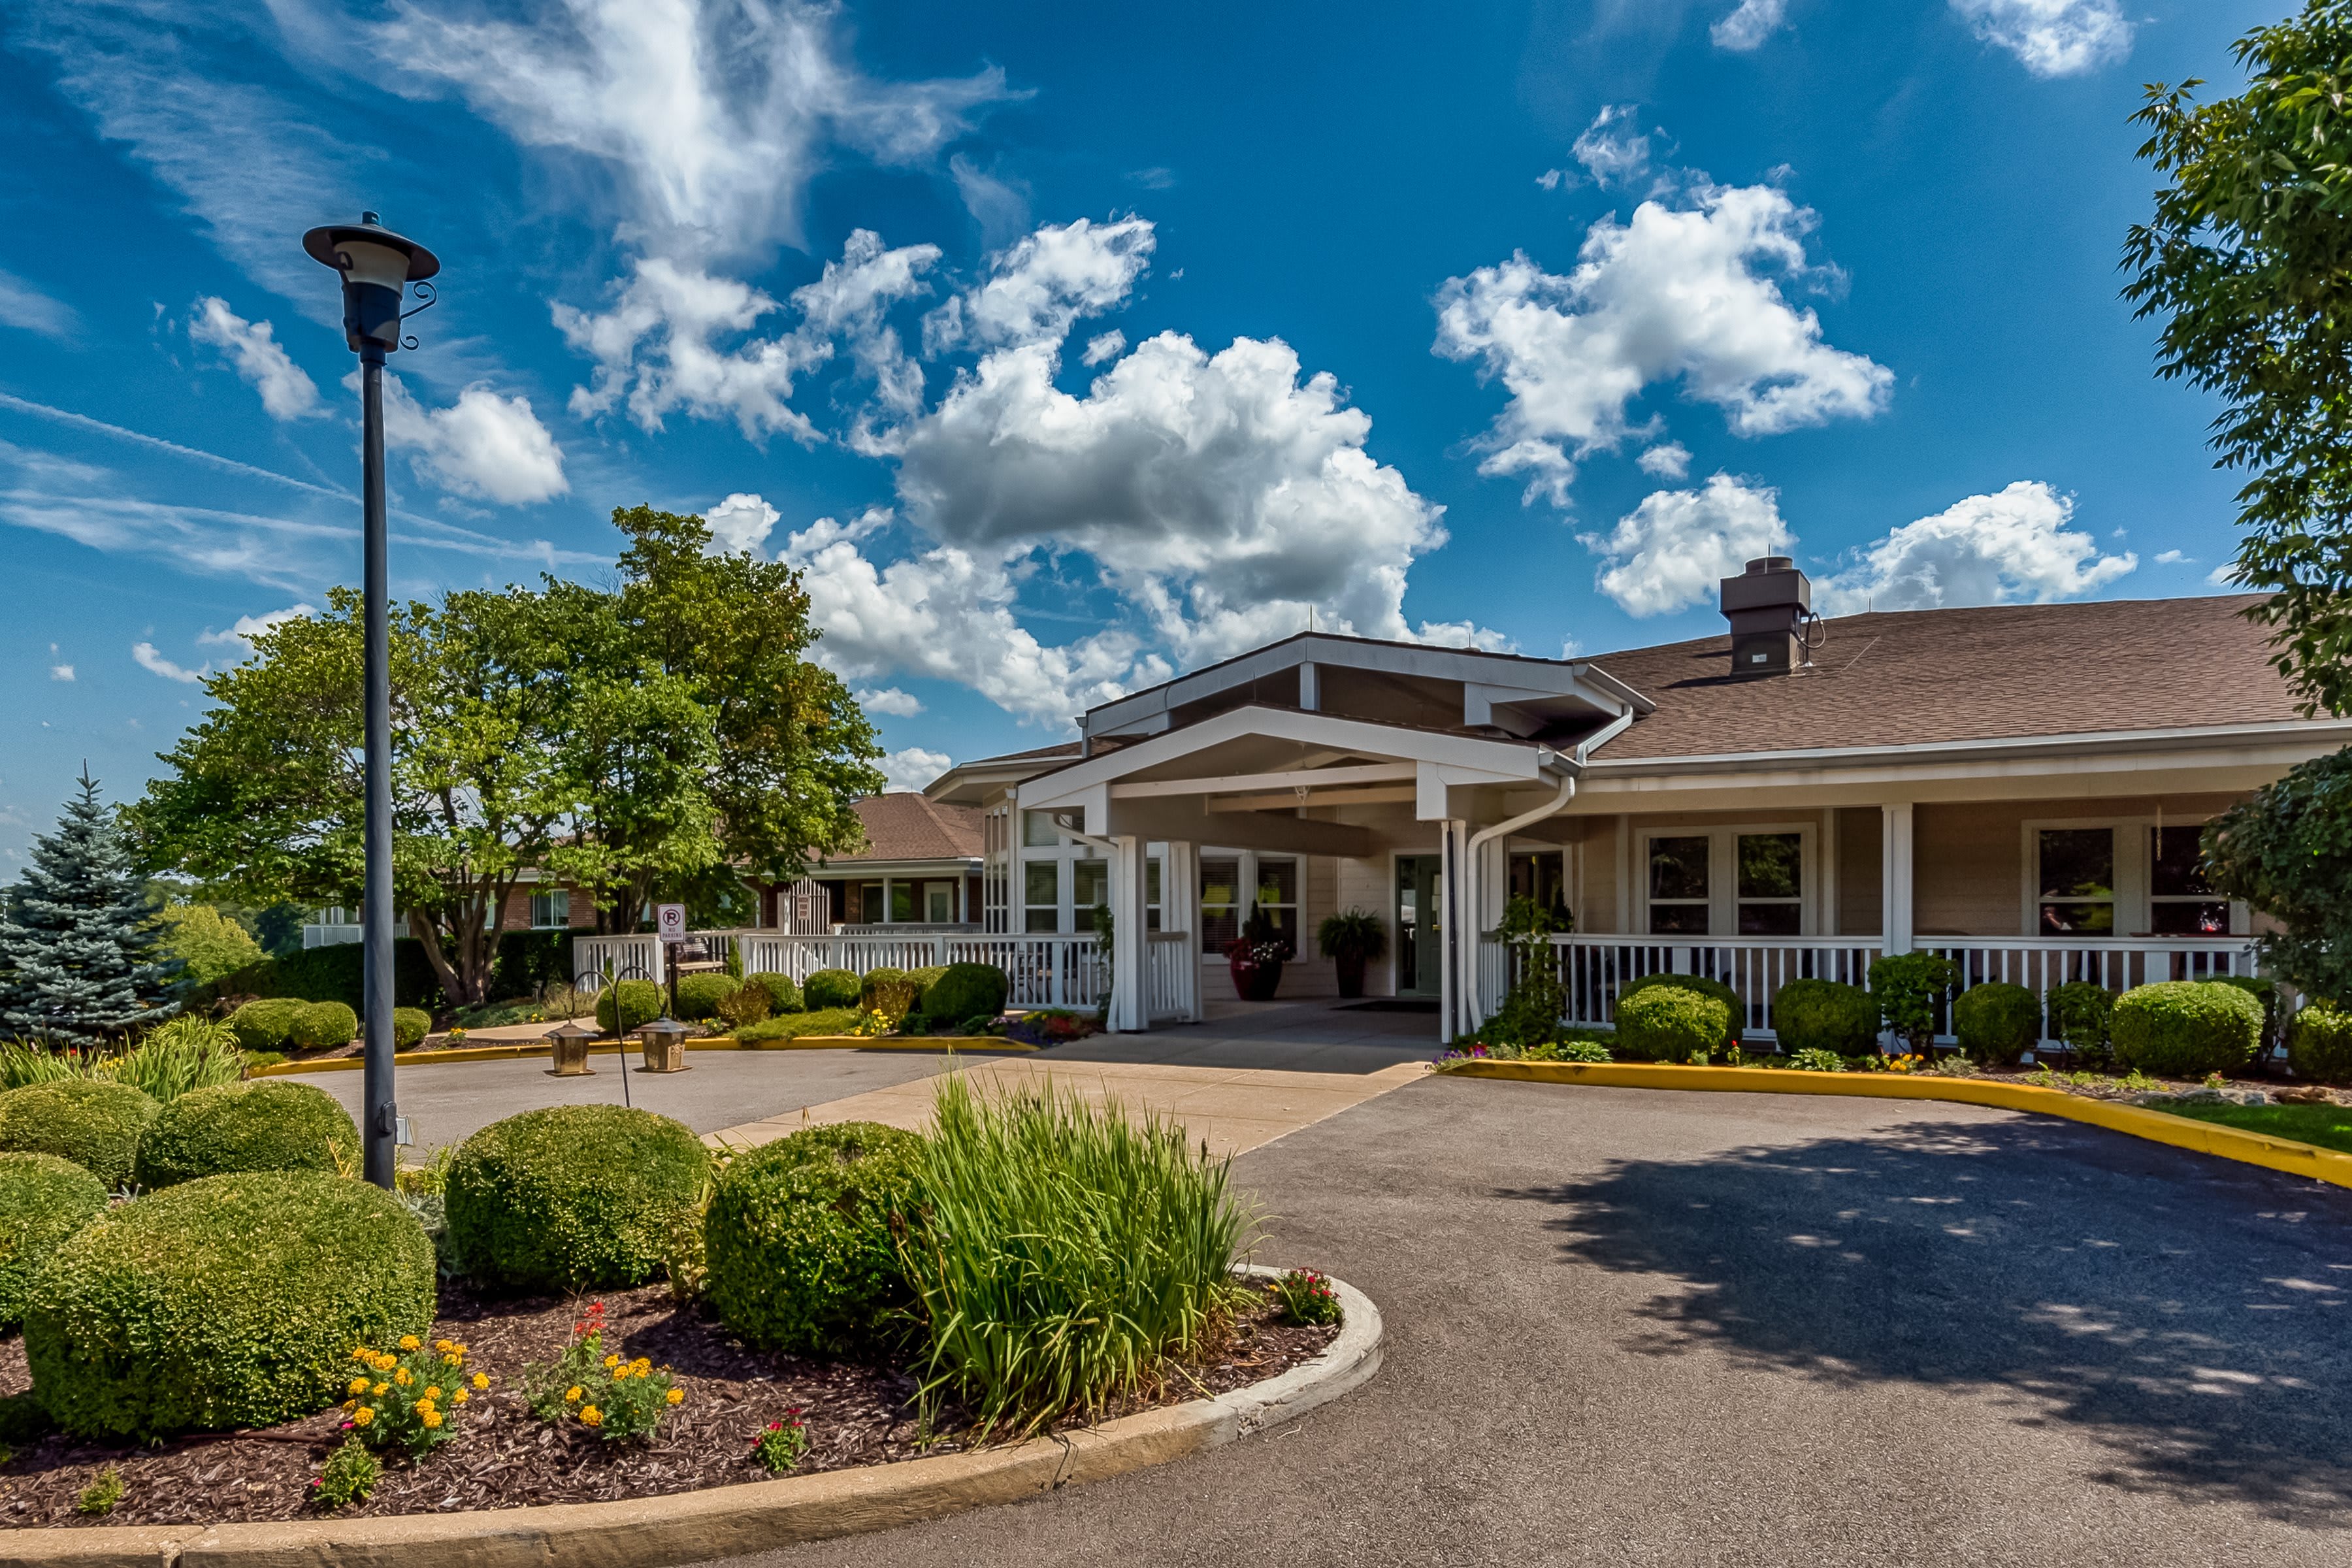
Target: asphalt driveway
1636, 1327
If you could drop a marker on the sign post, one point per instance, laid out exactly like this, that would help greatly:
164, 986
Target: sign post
669, 923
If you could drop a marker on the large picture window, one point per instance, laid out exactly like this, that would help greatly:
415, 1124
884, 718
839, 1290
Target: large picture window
550, 910
1221, 914
1772, 884
2077, 881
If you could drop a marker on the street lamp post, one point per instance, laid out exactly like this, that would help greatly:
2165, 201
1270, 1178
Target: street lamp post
376, 266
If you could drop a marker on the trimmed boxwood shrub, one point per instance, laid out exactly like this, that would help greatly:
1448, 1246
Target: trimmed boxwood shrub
2262, 991
264, 1026
1734, 1010
1670, 1024
94, 1123
2319, 1044
324, 1027
699, 995
1824, 1015
830, 988
633, 1002
43, 1202
798, 1237
964, 992
232, 1302
263, 1124
1997, 1022
2184, 1028
574, 1197
783, 997
409, 1025
888, 990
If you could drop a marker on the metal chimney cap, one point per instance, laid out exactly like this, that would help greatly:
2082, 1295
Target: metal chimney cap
1764, 563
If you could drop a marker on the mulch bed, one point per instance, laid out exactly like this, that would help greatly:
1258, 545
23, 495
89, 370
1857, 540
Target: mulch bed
503, 1458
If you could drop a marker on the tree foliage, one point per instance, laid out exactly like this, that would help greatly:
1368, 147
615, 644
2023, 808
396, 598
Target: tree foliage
206, 943
2287, 849
2248, 255
77, 949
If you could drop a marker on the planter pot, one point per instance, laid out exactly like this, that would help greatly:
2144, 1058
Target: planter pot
1350, 967
1255, 982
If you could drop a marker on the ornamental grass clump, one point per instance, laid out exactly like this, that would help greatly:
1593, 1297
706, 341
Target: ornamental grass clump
268, 1125
1067, 1252
572, 1197
178, 1056
617, 1399
408, 1398
44, 1201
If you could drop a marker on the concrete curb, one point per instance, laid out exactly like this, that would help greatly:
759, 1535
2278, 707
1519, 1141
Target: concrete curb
959, 1043
741, 1519
2290, 1155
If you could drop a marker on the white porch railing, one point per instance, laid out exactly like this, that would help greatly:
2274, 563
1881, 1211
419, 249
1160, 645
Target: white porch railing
634, 956
1170, 977
1040, 970
1594, 967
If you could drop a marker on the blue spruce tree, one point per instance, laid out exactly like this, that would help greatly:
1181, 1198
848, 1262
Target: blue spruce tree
77, 953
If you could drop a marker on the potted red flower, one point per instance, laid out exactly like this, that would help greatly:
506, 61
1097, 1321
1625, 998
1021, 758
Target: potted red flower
1256, 957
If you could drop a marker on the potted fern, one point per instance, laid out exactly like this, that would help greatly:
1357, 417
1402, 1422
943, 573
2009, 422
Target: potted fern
1351, 940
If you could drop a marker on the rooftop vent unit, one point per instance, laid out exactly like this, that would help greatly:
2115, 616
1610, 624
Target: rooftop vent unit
1771, 608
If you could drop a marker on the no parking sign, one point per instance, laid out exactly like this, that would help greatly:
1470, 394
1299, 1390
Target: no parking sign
670, 920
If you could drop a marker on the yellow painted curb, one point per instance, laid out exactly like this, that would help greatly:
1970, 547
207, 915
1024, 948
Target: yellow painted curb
2290, 1155
608, 1048
736, 1520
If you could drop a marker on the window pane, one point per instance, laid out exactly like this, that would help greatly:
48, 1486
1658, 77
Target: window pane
1220, 882
1090, 883
2177, 862
2078, 920
1772, 865
1151, 882
869, 903
1038, 830
1041, 922
1218, 927
1277, 882
939, 902
1042, 882
1678, 869
1771, 920
2183, 918
902, 901
2078, 863
1679, 920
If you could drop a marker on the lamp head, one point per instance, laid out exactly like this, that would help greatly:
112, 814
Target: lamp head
377, 266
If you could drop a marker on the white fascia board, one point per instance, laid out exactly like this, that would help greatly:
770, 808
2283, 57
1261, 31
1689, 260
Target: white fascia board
852, 870
1493, 761
2297, 738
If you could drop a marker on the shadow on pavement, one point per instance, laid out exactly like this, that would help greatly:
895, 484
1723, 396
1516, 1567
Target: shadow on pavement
2191, 1317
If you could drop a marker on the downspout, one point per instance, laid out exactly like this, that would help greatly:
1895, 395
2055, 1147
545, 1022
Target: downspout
1479, 840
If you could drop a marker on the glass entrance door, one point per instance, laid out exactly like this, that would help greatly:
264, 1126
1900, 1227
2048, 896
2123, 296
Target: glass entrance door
1421, 936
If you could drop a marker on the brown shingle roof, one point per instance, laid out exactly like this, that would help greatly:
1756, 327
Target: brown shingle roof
904, 825
1925, 677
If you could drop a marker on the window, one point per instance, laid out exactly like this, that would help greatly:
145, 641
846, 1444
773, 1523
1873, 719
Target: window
1038, 830
869, 903
1772, 884
939, 903
902, 902
1541, 876
550, 910
1278, 900
1151, 895
1089, 886
1040, 893
2180, 901
1678, 886
1221, 915
2077, 881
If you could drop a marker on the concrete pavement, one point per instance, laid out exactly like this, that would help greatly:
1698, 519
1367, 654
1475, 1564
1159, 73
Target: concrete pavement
1632, 1327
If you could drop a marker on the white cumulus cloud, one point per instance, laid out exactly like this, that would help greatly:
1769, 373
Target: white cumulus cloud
287, 393
1105, 346
914, 767
155, 663
1045, 284
1747, 28
740, 524
1689, 293
241, 634
1666, 460
484, 446
890, 702
2052, 38
1613, 150
61, 672
1985, 550
1671, 552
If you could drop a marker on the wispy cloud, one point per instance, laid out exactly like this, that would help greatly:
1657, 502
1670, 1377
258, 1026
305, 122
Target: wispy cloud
287, 393
155, 663
22, 305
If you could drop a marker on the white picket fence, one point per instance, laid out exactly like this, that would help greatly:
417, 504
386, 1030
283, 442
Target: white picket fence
1039, 970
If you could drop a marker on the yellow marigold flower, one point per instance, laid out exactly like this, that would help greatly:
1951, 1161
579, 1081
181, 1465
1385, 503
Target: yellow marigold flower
459, 1397
381, 1389
362, 1416
442, 1345
451, 1359
349, 1405
675, 1396
403, 1378
409, 1341
591, 1416
359, 1385
386, 1363
481, 1380
641, 1365
571, 1394
430, 1417
611, 1361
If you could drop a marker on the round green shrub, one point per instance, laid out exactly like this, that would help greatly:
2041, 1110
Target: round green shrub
1734, 1010
2319, 1044
830, 988
94, 1123
43, 1202
1669, 1023
2185, 1028
888, 990
574, 1197
798, 1237
324, 1027
1824, 1015
964, 992
263, 1124
263, 1025
1997, 1022
2262, 991
925, 978
229, 1302
409, 1025
699, 995
634, 1002
783, 997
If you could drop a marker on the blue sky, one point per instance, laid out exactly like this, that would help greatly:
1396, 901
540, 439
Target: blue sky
1064, 347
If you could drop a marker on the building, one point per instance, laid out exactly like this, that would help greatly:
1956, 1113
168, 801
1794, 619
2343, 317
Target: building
2020, 787
920, 869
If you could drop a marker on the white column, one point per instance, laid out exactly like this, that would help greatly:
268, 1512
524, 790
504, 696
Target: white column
1458, 929
1895, 878
1180, 910
888, 914
1130, 1006
1829, 873
1625, 926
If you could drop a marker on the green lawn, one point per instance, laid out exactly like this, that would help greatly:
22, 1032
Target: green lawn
2329, 1126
